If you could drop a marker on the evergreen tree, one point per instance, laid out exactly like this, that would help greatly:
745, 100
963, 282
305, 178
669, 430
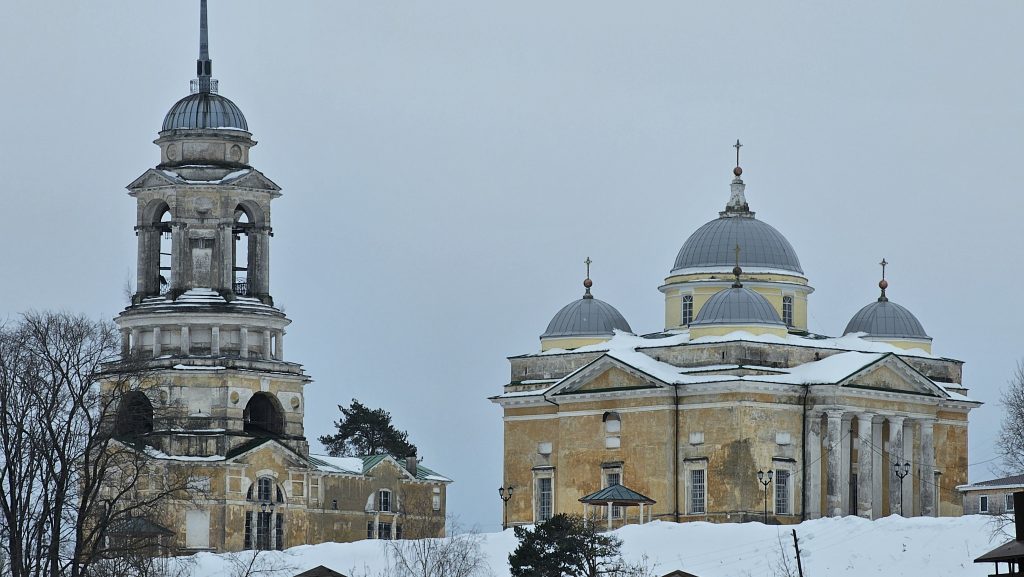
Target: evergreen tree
565, 546
365, 431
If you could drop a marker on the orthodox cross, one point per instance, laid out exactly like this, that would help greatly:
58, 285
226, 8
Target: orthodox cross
588, 262
883, 263
737, 146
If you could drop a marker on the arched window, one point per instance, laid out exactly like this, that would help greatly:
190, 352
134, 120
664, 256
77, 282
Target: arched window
687, 309
263, 415
134, 416
787, 310
240, 252
264, 522
612, 430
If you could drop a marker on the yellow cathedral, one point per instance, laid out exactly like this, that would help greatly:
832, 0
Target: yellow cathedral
734, 412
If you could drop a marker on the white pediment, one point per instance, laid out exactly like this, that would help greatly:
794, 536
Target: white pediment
892, 374
153, 178
606, 373
253, 179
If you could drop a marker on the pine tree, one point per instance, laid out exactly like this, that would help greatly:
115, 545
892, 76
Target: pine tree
365, 431
565, 546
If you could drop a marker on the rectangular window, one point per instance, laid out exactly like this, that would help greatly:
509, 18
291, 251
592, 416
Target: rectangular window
369, 530
787, 310
384, 530
614, 477
544, 498
248, 529
687, 309
263, 521
697, 491
384, 501
782, 492
983, 504
197, 529
1009, 503
279, 532
436, 502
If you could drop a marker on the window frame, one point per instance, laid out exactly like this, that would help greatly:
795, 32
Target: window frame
606, 474
692, 507
1008, 503
786, 492
686, 309
538, 496
384, 501
787, 310
983, 504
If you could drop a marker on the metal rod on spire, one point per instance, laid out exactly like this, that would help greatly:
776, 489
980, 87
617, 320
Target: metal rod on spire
883, 284
587, 283
883, 263
737, 146
204, 66
588, 262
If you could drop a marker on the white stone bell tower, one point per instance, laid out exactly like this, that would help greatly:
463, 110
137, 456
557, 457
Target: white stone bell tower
203, 320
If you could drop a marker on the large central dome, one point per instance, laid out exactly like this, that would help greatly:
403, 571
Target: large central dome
205, 110
714, 246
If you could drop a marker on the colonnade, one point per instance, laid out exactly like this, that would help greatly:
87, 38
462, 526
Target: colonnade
829, 459
260, 343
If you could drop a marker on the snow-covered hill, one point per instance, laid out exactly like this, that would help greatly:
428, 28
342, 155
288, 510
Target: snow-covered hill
834, 547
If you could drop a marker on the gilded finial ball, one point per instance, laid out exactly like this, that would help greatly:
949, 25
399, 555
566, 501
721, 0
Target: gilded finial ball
588, 283
883, 284
737, 171
737, 271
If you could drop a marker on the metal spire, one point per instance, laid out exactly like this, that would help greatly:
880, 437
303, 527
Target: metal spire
883, 284
204, 66
737, 205
587, 283
736, 270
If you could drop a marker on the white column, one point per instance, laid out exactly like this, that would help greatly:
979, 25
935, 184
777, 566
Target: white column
279, 352
185, 341
243, 344
833, 479
909, 503
156, 342
895, 458
813, 466
136, 341
126, 342
865, 462
846, 438
927, 468
877, 472
215, 340
267, 352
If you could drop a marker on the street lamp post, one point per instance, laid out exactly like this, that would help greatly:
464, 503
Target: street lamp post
901, 472
765, 480
505, 493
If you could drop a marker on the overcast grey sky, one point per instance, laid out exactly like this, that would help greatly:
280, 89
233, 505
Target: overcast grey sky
447, 166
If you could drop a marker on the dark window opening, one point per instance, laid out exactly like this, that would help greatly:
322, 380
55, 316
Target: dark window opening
134, 417
263, 416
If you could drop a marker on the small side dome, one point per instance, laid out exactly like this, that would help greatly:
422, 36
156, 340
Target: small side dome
738, 306
205, 110
886, 320
584, 318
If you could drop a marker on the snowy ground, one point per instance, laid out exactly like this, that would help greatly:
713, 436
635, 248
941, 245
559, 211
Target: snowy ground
829, 547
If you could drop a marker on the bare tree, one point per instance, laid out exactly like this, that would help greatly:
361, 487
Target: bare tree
425, 554
1011, 435
261, 563
66, 480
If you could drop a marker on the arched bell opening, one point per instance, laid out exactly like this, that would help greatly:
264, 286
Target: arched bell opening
244, 251
134, 416
263, 415
155, 249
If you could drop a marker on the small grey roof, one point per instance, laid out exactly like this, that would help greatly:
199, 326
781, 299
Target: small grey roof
886, 319
1002, 481
714, 245
617, 494
737, 306
205, 110
586, 317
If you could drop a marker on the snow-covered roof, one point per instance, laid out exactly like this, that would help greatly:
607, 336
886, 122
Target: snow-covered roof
362, 465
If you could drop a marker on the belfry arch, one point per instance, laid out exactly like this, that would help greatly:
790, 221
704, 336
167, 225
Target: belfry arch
249, 254
134, 416
263, 415
156, 248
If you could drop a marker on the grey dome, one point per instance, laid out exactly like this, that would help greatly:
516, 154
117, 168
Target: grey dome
886, 319
587, 317
205, 110
714, 245
737, 306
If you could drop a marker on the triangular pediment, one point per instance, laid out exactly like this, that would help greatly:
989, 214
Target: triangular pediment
262, 451
605, 374
253, 179
891, 373
152, 178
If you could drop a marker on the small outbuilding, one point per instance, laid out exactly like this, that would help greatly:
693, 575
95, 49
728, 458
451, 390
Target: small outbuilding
614, 496
320, 571
1011, 552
